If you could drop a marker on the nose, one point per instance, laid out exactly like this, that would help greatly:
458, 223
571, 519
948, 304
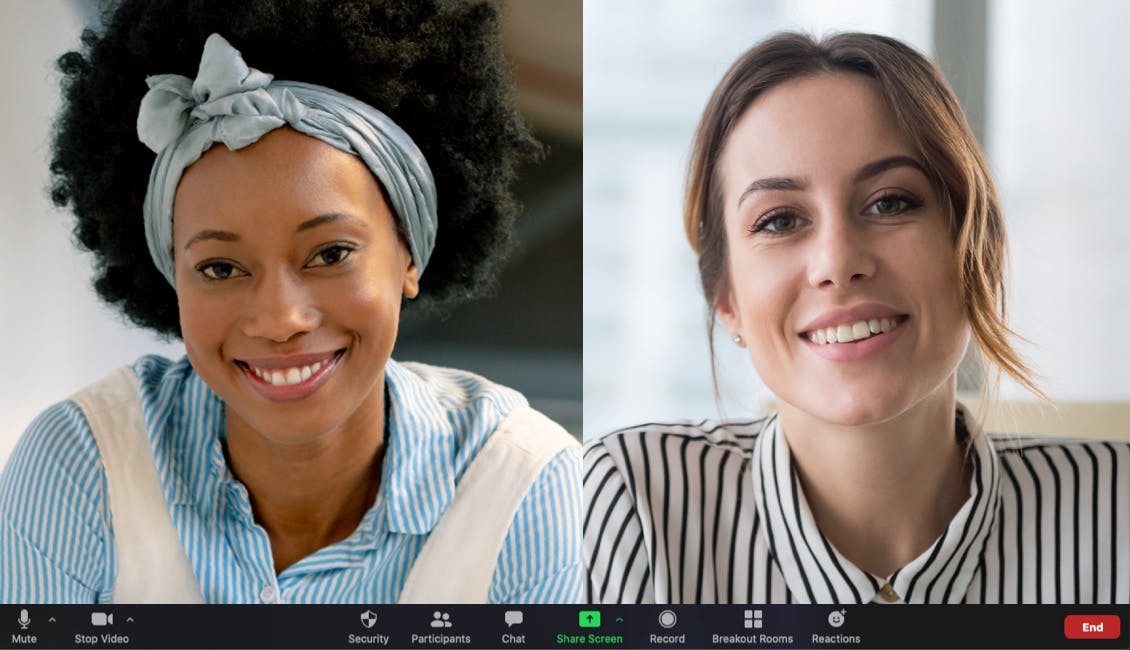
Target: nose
280, 309
841, 253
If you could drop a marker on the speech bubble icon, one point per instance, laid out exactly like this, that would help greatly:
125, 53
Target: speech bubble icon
513, 617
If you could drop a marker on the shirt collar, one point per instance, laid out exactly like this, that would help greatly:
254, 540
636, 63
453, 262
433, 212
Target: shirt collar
191, 429
422, 459
816, 572
419, 473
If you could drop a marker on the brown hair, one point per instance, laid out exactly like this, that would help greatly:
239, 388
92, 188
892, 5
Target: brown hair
926, 109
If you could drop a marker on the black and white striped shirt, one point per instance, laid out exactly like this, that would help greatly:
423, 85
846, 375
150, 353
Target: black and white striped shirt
713, 513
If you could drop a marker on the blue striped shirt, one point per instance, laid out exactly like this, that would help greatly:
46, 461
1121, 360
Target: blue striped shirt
57, 544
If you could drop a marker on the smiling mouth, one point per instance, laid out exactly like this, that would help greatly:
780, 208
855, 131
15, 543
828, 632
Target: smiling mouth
854, 332
292, 376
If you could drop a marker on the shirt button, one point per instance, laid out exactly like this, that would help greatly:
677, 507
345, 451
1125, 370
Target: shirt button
888, 593
268, 594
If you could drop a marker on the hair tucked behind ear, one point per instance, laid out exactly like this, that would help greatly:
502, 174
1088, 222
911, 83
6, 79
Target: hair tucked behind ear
434, 66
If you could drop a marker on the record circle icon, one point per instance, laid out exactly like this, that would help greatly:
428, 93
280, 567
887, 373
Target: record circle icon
667, 619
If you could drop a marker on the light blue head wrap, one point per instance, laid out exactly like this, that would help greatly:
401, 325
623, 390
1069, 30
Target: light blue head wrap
181, 118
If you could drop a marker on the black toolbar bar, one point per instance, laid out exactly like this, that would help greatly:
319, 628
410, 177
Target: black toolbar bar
562, 626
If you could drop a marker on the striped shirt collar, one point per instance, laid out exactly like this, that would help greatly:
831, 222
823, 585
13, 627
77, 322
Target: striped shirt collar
420, 459
419, 478
815, 572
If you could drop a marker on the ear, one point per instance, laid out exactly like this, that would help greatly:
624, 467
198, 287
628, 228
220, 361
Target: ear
411, 287
728, 313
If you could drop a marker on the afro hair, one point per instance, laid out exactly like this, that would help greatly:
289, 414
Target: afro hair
435, 67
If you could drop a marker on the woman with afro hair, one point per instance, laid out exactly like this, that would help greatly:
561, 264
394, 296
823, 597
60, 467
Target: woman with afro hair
272, 182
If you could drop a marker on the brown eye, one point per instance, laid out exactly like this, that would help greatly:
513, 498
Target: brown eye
331, 255
892, 204
218, 270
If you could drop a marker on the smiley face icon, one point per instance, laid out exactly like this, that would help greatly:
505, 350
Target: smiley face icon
836, 618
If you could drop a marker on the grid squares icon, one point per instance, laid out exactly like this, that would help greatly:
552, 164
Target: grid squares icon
752, 619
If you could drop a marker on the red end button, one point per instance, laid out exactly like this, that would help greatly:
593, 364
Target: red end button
1088, 626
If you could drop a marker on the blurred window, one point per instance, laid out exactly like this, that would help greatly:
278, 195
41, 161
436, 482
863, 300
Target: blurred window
1059, 85
1045, 87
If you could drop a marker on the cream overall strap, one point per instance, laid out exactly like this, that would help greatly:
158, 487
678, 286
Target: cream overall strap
152, 565
458, 560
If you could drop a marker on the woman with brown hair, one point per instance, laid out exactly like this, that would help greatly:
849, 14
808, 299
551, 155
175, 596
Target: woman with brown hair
850, 238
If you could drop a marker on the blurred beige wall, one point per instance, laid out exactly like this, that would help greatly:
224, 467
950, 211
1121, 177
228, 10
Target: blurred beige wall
1069, 419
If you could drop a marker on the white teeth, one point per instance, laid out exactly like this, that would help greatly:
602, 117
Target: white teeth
288, 376
849, 332
860, 331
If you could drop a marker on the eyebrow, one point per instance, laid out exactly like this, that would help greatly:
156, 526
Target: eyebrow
228, 236
323, 219
883, 164
773, 183
218, 235
869, 170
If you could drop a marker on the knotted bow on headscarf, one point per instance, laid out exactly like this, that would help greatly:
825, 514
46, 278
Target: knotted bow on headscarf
181, 118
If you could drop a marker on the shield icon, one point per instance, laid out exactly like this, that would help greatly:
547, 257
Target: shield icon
368, 618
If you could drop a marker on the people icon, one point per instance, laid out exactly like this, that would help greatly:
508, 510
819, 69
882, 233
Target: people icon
441, 619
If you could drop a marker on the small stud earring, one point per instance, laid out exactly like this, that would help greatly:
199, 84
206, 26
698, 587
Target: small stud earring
737, 339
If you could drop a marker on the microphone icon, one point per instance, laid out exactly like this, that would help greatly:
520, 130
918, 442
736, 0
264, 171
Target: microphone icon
24, 620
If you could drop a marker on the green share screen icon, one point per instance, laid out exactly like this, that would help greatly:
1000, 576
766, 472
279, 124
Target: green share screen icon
589, 618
